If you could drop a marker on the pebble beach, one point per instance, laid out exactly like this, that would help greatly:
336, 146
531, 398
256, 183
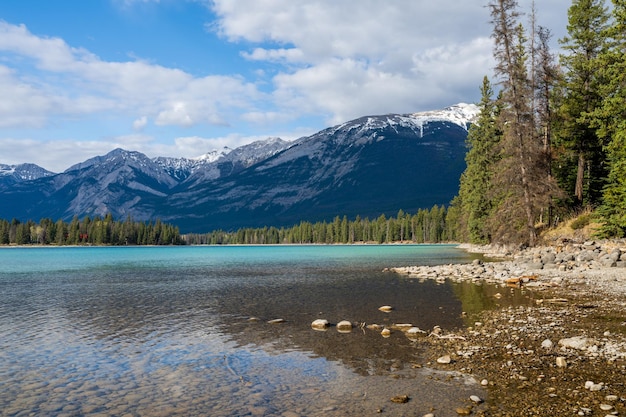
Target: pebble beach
564, 355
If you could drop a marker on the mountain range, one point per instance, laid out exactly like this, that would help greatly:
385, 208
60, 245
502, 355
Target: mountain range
369, 166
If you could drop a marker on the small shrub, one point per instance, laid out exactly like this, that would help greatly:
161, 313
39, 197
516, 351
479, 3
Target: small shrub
581, 221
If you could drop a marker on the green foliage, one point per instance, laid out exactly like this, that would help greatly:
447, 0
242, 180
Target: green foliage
579, 148
581, 221
558, 141
96, 231
613, 208
426, 226
474, 203
611, 118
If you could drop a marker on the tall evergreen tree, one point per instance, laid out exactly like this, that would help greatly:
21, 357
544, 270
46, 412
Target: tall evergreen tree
582, 155
514, 169
475, 198
547, 97
521, 179
612, 121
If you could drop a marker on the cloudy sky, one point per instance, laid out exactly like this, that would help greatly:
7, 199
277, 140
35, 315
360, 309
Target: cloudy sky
184, 77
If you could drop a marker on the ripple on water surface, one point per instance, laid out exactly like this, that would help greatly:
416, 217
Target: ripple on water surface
165, 331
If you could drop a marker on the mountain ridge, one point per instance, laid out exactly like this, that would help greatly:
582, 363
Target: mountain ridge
344, 169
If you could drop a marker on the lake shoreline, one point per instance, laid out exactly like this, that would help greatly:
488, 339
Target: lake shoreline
566, 354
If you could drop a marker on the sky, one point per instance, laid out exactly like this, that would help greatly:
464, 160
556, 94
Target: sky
181, 78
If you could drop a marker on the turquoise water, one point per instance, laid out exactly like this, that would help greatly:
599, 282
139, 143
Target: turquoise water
31, 260
168, 330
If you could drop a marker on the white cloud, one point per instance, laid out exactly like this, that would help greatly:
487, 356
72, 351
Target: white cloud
141, 123
20, 103
268, 117
331, 59
280, 54
73, 81
349, 59
53, 155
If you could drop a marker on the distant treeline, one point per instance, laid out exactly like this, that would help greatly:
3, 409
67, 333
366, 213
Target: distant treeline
433, 225
426, 226
88, 231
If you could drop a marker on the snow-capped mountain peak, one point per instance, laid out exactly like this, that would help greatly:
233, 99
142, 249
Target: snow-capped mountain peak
413, 160
213, 155
23, 172
461, 114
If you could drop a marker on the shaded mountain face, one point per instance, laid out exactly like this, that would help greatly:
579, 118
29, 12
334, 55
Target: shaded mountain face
369, 166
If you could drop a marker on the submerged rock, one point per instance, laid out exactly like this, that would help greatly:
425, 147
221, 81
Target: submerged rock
463, 411
344, 326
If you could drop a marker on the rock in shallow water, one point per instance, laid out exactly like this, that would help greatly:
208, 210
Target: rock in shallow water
344, 326
320, 324
415, 331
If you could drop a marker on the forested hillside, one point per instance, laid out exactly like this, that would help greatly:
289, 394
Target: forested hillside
552, 142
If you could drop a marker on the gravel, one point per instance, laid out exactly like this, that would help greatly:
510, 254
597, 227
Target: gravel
564, 355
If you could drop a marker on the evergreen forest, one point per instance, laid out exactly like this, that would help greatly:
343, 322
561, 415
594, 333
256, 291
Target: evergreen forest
550, 140
88, 231
426, 226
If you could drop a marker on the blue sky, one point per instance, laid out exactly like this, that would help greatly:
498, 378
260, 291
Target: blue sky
184, 77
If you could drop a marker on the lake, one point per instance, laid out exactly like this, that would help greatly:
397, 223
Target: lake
162, 331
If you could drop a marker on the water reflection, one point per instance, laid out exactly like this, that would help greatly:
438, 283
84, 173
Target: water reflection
177, 341
424, 304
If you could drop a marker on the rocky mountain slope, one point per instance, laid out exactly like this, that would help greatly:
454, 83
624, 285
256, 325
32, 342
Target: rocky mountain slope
11, 174
368, 166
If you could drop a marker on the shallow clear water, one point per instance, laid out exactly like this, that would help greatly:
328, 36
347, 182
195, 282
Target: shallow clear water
167, 331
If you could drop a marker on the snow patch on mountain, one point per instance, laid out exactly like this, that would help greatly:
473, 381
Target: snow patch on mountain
24, 172
461, 114
213, 155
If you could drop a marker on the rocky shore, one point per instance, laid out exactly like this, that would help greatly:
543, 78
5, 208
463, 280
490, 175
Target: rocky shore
563, 356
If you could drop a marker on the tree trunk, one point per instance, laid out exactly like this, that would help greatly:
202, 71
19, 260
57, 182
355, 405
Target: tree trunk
528, 204
580, 177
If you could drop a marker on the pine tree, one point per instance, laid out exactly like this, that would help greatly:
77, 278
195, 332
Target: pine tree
524, 189
474, 201
611, 118
582, 155
514, 168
